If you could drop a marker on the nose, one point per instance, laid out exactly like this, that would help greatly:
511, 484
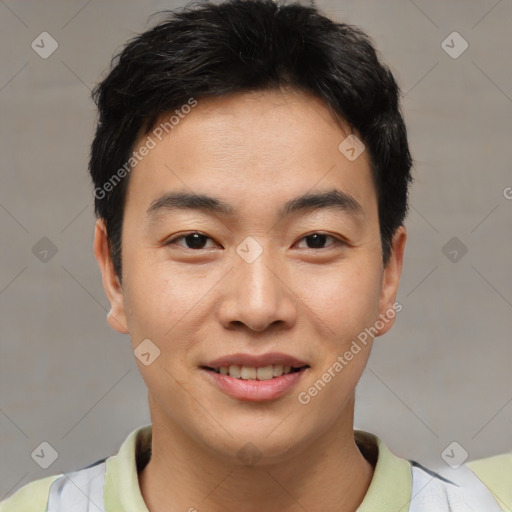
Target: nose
258, 295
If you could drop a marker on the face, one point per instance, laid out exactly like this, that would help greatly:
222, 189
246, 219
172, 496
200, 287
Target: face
280, 264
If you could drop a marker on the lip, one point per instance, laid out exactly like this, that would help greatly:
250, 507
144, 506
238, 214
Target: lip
254, 390
256, 361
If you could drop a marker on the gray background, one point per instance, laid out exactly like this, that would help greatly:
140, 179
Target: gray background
442, 374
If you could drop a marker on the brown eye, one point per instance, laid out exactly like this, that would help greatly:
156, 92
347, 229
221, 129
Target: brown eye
193, 240
318, 240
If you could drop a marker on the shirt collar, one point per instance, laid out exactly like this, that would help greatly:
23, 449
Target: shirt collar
390, 488
391, 485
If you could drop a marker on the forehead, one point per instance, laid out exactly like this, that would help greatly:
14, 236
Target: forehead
255, 147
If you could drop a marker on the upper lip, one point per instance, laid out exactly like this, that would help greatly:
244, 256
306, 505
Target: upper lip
273, 358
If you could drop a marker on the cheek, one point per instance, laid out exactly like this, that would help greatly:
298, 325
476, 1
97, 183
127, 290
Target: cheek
346, 299
157, 295
170, 305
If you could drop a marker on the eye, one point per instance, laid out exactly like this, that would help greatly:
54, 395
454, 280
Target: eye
197, 240
194, 240
317, 240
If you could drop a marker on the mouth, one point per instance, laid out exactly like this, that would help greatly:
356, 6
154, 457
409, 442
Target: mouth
268, 372
255, 378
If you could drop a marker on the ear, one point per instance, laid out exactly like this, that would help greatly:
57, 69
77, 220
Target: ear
116, 317
390, 280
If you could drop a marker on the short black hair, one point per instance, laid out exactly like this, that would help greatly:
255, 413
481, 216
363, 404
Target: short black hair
209, 49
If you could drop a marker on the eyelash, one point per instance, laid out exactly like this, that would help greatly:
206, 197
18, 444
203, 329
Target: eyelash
337, 241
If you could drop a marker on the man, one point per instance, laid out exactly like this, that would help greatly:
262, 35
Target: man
232, 139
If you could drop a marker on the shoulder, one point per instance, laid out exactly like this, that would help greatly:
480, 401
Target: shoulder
496, 473
32, 497
111, 480
400, 484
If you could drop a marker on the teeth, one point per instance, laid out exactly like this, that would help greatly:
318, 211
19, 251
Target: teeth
251, 373
235, 371
265, 373
278, 370
248, 373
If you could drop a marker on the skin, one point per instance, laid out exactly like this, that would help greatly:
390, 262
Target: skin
254, 151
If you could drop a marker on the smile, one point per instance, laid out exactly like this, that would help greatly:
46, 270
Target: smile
252, 373
254, 384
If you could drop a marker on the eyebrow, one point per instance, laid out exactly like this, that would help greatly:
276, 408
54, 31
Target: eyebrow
330, 199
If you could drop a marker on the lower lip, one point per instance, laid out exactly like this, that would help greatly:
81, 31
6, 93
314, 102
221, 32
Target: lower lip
255, 390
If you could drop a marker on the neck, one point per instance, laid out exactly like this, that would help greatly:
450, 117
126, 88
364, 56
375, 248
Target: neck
329, 474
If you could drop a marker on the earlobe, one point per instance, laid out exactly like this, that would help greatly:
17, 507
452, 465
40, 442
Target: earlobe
116, 324
116, 316
389, 307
